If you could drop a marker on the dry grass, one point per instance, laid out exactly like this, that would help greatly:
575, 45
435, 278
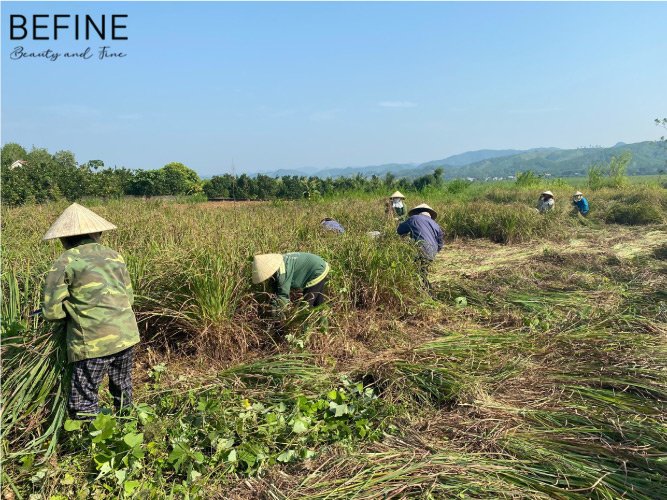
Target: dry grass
537, 370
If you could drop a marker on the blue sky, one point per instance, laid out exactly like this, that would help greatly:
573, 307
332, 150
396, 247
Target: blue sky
290, 85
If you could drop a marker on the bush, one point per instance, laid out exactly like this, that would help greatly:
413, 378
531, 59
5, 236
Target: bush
457, 186
499, 223
528, 178
633, 214
612, 175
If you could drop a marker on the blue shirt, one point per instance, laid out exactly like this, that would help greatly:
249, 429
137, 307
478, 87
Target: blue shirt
582, 205
333, 225
426, 232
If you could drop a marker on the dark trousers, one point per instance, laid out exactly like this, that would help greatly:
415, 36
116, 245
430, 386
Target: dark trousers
424, 266
87, 375
316, 295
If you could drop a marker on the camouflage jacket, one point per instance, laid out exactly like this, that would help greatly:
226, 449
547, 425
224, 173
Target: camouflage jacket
89, 288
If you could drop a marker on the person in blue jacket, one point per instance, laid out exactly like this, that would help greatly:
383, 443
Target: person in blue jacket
332, 225
580, 203
421, 227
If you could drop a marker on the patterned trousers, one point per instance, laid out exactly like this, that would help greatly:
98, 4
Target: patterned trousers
87, 375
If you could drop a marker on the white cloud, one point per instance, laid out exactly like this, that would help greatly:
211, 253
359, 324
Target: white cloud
397, 104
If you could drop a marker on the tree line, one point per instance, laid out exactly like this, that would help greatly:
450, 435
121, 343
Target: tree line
37, 176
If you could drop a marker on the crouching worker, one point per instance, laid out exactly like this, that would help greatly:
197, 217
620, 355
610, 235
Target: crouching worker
333, 225
422, 228
580, 203
295, 270
546, 202
89, 291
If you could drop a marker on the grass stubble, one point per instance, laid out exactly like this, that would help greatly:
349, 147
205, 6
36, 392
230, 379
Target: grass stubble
538, 369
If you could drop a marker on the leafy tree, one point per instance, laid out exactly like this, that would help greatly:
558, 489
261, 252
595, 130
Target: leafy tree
527, 178
266, 187
661, 123
95, 164
219, 186
12, 152
420, 183
178, 179
146, 183
244, 187
437, 176
375, 184
290, 187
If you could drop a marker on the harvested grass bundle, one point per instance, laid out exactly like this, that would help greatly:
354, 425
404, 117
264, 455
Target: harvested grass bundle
35, 381
456, 367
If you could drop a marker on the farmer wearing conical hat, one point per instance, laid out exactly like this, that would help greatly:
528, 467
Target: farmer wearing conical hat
422, 228
89, 291
295, 270
546, 202
580, 203
396, 206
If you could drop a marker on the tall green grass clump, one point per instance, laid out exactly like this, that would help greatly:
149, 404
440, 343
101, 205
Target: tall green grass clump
35, 374
632, 205
527, 179
612, 175
506, 223
633, 214
190, 264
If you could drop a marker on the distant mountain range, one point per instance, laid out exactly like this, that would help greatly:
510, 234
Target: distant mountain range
648, 157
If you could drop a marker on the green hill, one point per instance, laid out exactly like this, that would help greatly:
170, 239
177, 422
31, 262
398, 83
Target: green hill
648, 157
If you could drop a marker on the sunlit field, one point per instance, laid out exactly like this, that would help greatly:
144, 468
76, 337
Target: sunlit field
536, 367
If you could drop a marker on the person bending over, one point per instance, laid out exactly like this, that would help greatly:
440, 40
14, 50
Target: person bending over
422, 228
295, 270
580, 203
333, 225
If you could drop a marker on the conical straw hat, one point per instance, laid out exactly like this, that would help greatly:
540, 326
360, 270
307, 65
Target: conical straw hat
76, 220
423, 208
549, 193
263, 266
397, 194
578, 193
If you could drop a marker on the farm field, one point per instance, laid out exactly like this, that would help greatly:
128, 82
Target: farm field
536, 368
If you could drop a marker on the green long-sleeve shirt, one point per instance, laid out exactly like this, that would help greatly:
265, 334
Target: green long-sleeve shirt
89, 288
299, 270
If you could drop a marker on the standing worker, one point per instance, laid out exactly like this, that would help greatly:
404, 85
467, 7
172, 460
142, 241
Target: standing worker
396, 207
580, 203
422, 228
300, 270
546, 202
89, 291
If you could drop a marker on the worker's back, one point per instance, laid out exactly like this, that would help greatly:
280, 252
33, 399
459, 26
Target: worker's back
424, 230
89, 286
